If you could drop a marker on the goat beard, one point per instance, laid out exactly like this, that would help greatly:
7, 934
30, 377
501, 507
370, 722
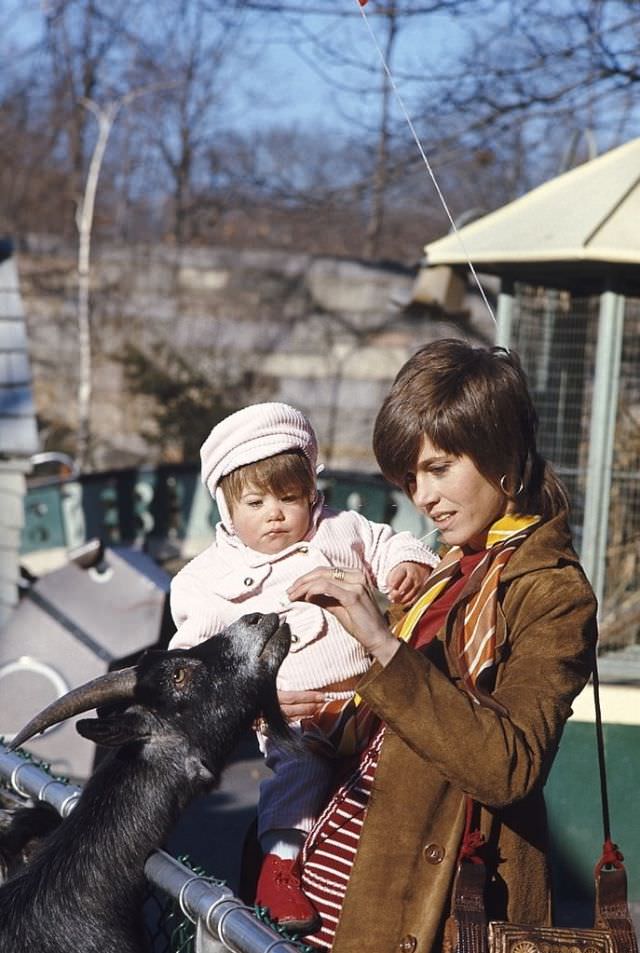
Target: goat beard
276, 723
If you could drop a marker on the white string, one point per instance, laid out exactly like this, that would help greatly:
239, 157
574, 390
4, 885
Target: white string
425, 160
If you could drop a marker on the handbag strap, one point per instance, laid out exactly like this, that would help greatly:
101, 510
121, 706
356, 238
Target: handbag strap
602, 768
611, 904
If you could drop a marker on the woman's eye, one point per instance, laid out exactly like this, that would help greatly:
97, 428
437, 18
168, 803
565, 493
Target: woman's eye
254, 504
180, 677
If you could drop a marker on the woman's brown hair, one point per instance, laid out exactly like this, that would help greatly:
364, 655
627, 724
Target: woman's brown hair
473, 401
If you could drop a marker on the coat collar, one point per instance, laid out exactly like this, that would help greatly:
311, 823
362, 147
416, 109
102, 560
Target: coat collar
549, 546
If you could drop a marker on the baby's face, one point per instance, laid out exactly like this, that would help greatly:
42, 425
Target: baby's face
269, 522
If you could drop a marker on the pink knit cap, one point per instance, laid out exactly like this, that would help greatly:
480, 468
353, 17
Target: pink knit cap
251, 434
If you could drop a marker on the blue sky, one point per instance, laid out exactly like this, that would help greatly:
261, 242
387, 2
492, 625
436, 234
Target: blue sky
291, 79
300, 76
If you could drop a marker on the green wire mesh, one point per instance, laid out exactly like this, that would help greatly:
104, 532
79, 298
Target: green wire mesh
43, 765
168, 930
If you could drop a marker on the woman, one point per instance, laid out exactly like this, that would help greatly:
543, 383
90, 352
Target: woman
473, 697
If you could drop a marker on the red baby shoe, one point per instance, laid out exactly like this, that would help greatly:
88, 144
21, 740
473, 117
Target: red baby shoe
280, 892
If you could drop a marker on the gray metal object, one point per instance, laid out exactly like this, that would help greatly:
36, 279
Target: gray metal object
504, 315
30, 781
215, 910
220, 912
72, 625
205, 943
603, 418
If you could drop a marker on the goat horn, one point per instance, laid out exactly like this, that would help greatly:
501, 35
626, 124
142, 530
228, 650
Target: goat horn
112, 687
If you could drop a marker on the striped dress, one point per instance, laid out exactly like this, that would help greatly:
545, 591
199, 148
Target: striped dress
330, 849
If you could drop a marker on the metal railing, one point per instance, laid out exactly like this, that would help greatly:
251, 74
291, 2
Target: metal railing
222, 921
214, 909
167, 511
29, 780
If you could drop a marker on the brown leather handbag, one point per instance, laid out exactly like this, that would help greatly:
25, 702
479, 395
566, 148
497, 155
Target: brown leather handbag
467, 930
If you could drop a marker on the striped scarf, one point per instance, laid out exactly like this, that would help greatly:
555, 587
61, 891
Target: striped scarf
344, 728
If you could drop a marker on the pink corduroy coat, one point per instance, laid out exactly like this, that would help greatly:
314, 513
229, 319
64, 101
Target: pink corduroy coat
228, 580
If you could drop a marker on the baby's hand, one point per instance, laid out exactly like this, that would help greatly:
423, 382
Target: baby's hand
405, 582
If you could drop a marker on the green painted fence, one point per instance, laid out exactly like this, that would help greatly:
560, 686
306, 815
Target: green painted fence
167, 511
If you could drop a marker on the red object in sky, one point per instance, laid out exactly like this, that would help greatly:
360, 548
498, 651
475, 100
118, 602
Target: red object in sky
363, 3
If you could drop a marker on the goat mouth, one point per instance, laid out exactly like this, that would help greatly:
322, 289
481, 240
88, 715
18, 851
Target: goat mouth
277, 644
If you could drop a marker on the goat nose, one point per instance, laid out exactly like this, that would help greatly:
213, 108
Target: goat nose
253, 618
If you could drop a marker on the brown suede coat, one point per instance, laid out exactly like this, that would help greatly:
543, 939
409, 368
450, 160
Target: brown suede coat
439, 744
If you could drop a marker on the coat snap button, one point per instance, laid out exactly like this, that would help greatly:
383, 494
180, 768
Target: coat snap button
294, 638
248, 581
408, 943
433, 853
304, 549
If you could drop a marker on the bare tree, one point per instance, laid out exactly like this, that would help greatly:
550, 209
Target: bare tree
90, 46
495, 91
200, 47
105, 117
381, 172
495, 100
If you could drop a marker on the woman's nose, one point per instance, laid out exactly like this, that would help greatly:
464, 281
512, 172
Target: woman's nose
425, 493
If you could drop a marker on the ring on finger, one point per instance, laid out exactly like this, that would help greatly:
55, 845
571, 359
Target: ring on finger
338, 574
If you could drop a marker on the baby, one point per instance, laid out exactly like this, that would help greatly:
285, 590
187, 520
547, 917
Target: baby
260, 466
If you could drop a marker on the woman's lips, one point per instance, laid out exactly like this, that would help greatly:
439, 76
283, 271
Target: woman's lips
442, 520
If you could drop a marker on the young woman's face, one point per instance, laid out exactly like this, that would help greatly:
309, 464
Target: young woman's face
456, 496
269, 522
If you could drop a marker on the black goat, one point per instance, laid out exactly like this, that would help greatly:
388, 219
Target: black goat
173, 720
21, 832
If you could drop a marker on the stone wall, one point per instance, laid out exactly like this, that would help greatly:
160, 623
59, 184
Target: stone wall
328, 334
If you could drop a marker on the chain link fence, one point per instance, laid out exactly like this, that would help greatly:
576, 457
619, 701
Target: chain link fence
556, 336
185, 910
621, 610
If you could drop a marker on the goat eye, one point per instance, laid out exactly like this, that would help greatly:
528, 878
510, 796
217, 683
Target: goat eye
180, 677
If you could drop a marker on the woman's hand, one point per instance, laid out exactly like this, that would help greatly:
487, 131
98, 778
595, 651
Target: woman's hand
346, 594
297, 705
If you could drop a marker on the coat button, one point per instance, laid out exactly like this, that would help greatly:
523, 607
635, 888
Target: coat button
408, 943
303, 549
433, 853
248, 581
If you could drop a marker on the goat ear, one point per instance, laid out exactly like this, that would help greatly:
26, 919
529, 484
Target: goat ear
113, 731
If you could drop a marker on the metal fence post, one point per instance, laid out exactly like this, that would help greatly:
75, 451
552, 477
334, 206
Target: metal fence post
604, 406
504, 315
